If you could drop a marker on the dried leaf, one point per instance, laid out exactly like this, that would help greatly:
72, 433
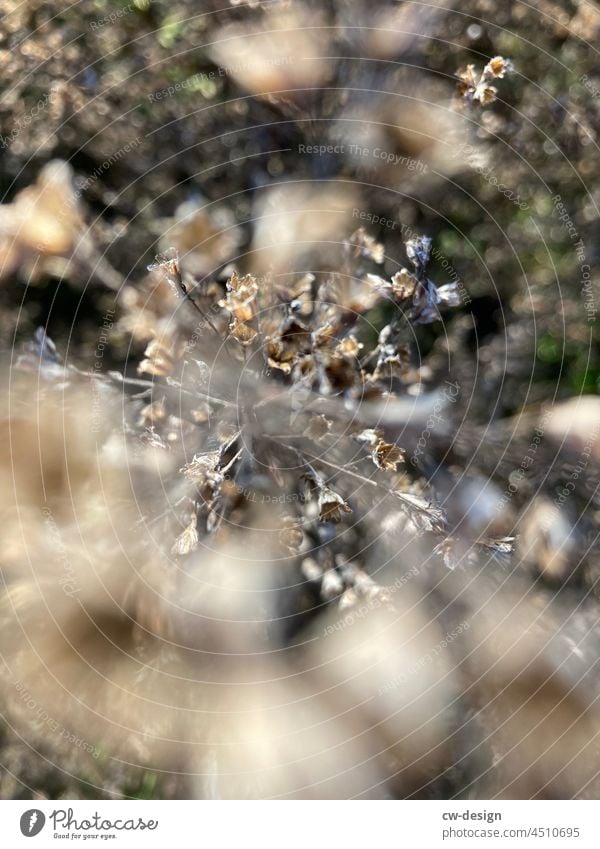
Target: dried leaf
403, 284
497, 67
331, 505
241, 331
187, 540
470, 88
448, 295
241, 297
387, 456
423, 515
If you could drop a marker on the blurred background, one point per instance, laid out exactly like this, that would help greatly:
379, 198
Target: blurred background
257, 137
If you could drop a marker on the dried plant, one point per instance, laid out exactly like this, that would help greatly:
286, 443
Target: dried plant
291, 510
470, 88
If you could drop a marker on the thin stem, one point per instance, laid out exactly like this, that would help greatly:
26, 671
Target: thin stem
133, 381
346, 471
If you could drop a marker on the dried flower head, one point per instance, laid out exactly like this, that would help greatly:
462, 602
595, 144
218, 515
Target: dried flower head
497, 67
241, 297
331, 505
187, 540
471, 88
385, 455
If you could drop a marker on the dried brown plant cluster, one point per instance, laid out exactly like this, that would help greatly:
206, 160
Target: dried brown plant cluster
299, 414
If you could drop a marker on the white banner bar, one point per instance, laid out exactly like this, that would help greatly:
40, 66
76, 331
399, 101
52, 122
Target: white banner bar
302, 825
